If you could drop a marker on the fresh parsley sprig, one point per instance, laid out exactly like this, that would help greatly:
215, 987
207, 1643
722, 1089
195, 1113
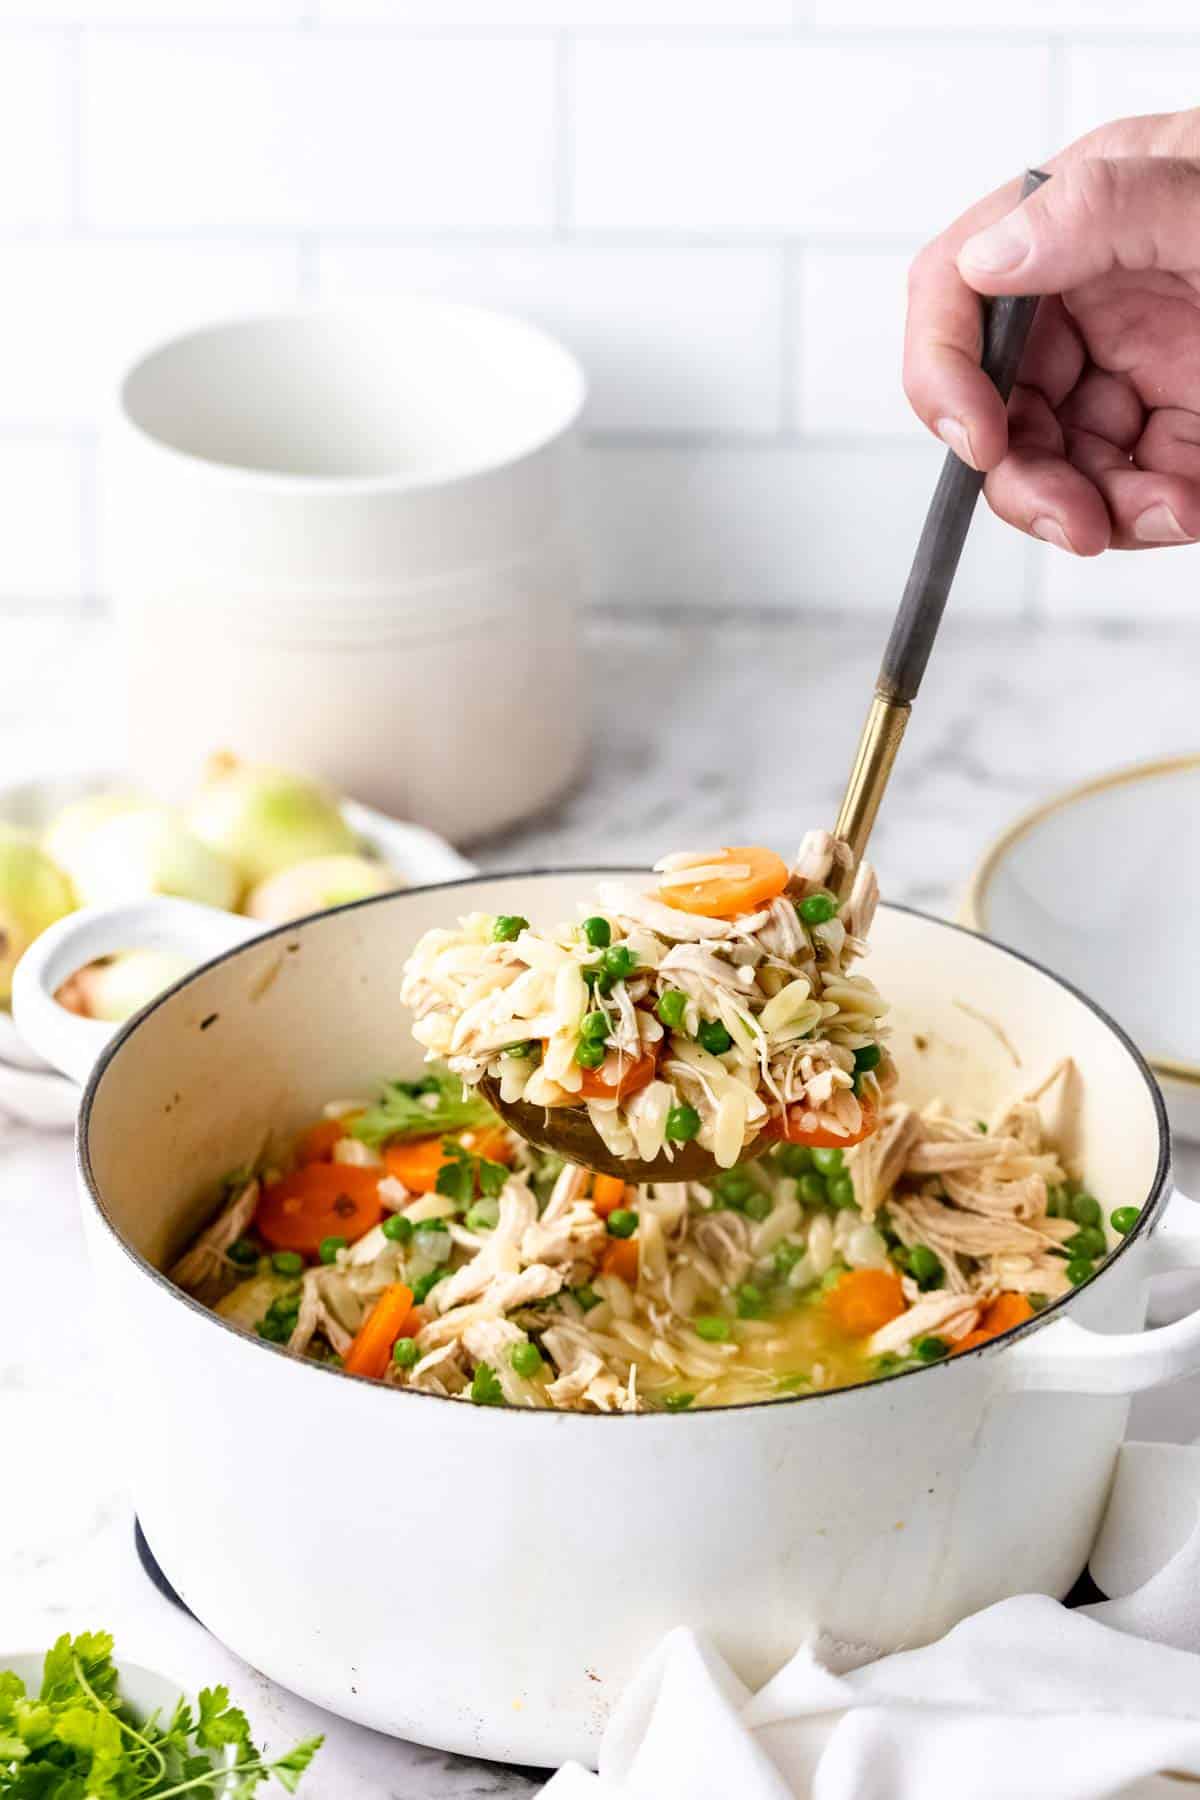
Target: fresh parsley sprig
78, 1740
435, 1104
458, 1178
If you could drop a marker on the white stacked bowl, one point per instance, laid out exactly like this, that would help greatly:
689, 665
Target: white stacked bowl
341, 541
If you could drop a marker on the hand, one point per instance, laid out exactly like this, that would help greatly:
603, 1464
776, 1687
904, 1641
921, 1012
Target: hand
1100, 448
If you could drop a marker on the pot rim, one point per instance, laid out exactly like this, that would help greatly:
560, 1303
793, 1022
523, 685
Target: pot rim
1149, 1211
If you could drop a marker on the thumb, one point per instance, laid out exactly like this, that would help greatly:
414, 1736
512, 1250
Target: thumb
1093, 215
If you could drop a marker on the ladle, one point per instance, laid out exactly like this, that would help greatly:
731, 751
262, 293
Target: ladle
567, 1130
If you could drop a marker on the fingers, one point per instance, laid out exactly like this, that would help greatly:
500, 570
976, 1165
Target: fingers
1036, 488
943, 338
1094, 215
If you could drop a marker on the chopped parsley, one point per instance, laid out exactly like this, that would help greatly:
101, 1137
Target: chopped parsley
409, 1109
485, 1386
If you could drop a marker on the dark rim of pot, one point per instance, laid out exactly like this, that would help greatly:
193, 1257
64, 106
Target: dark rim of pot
1149, 1210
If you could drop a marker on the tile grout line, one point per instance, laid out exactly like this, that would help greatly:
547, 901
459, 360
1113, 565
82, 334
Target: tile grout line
563, 171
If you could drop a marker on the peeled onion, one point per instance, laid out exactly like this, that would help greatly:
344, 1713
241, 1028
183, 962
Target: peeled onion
264, 820
116, 989
34, 892
149, 851
316, 885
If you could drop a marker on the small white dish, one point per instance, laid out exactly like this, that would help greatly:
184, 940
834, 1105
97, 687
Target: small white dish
1100, 884
144, 1691
33, 1093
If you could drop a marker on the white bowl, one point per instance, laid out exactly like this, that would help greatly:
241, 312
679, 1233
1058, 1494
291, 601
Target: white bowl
1100, 884
34, 1093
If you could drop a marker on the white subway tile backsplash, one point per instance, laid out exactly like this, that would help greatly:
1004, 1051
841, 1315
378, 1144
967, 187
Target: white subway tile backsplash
651, 15
36, 131
801, 137
41, 548
672, 340
1122, 584
848, 307
1106, 82
819, 527
279, 132
77, 313
151, 12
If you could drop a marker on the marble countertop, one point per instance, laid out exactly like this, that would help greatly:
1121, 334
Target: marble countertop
705, 729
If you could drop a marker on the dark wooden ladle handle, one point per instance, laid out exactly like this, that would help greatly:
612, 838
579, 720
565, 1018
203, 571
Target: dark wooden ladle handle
1006, 327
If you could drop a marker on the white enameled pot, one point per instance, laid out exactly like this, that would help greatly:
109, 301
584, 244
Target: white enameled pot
486, 1580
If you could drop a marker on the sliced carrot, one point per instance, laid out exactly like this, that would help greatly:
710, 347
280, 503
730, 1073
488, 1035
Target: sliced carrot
726, 896
971, 1342
866, 1299
635, 1072
608, 1192
369, 1353
416, 1161
799, 1125
1005, 1311
317, 1201
316, 1144
621, 1258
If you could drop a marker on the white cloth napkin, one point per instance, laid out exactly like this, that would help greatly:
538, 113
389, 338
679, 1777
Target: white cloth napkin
1024, 1701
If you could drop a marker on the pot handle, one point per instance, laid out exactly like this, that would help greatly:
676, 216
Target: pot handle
73, 1044
1069, 1358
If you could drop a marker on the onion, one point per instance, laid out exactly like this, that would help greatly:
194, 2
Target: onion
264, 820
116, 989
67, 831
149, 851
316, 885
34, 892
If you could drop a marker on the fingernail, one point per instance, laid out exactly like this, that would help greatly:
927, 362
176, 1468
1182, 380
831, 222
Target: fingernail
1158, 525
1051, 532
955, 434
1001, 246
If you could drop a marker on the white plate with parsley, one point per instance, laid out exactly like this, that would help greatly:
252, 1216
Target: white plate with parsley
72, 1723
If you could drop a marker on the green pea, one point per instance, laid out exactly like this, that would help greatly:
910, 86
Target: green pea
423, 1286
671, 1007
786, 1257
677, 1402
599, 979
1079, 1270
712, 1328
622, 1223
714, 1038
243, 1252
507, 927
925, 1266
794, 1159
930, 1349
328, 1251
594, 1025
811, 1190
817, 909
405, 1353
1055, 1199
526, 1359
758, 1205
589, 1054
287, 1262
733, 1188
1038, 1301
683, 1122
519, 1051
273, 1330
397, 1229
829, 1162
751, 1301
1085, 1210
1124, 1219
598, 933
1089, 1241
619, 961
841, 1192
586, 1296
867, 1058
